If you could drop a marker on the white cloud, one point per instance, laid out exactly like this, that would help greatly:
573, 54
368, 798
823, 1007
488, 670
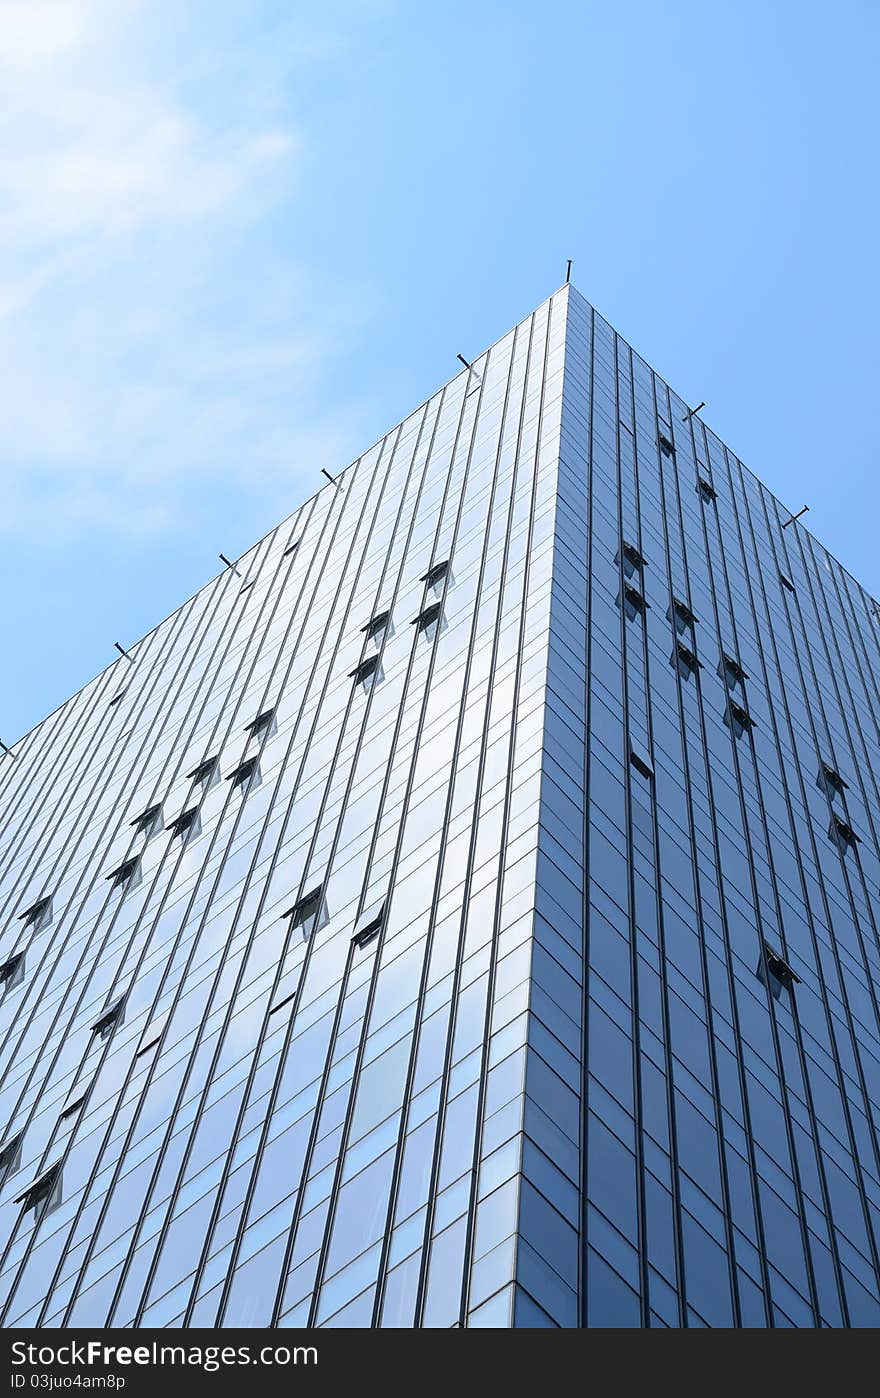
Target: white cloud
152, 333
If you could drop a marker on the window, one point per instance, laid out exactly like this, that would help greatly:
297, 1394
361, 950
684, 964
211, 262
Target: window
369, 925
263, 726
377, 626
10, 1156
38, 915
291, 548
738, 718
185, 826
685, 660
731, 671
681, 614
116, 698
632, 559
830, 781
107, 1021
641, 763
786, 582
153, 1033
206, 774
706, 489
633, 602
75, 1107
44, 1194
365, 673
288, 1000
148, 822
246, 775
775, 972
435, 575
128, 875
246, 585
843, 834
309, 912
428, 621
667, 446
12, 972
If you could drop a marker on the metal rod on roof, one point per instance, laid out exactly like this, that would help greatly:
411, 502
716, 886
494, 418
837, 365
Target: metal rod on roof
690, 412
331, 479
568, 272
797, 516
123, 651
464, 361
229, 564
6, 749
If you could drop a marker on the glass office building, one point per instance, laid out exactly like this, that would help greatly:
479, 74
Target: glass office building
463, 911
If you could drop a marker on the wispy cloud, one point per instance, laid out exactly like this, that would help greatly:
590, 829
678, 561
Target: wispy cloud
153, 329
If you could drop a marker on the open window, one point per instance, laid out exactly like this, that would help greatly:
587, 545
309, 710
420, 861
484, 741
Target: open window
10, 1156
12, 972
38, 915
738, 719
641, 763
830, 781
108, 1019
369, 925
632, 558
843, 834
291, 548
685, 660
127, 875
428, 621
148, 822
681, 616
186, 826
775, 971
44, 1194
74, 1107
634, 603
667, 446
246, 775
367, 673
263, 726
731, 671
435, 577
309, 913
206, 774
377, 627
786, 581
707, 491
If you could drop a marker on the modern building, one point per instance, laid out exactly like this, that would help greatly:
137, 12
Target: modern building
464, 910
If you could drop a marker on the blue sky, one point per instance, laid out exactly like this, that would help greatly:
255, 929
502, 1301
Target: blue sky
238, 241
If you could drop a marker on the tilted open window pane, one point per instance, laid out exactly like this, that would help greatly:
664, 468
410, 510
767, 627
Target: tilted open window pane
12, 972
186, 826
428, 620
246, 775
263, 726
775, 971
10, 1156
39, 914
206, 774
367, 672
44, 1194
369, 925
128, 874
435, 576
308, 912
108, 1020
148, 821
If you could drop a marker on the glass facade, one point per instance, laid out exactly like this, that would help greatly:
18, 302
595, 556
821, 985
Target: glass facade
463, 911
